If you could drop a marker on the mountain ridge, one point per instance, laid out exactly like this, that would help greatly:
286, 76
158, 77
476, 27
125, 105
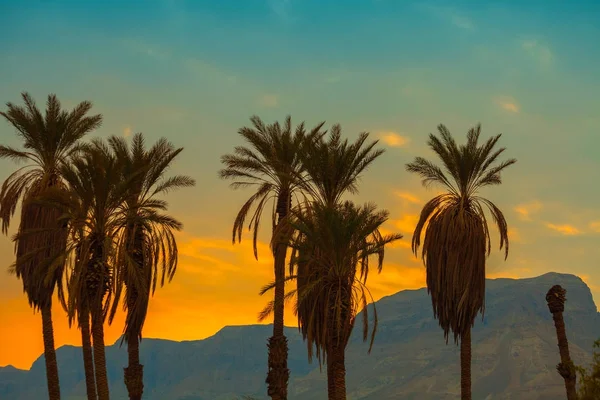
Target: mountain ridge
514, 354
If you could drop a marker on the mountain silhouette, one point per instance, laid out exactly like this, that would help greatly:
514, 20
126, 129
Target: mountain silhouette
514, 354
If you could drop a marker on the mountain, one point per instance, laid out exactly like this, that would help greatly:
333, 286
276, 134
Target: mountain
514, 354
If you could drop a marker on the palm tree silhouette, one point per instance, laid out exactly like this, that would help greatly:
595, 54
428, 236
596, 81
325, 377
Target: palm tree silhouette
456, 234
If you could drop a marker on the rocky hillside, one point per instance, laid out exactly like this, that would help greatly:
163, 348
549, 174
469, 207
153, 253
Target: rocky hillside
515, 354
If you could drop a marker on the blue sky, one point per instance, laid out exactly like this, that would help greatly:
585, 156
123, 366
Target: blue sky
194, 71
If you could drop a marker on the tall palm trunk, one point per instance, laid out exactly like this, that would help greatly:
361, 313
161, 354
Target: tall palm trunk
465, 365
336, 372
556, 298
88, 359
134, 372
99, 355
278, 375
50, 353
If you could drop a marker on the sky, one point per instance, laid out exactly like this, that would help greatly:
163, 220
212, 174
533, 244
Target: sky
195, 71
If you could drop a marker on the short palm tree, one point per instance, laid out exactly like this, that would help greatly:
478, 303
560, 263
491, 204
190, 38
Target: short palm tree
556, 298
456, 234
48, 141
332, 247
147, 246
271, 163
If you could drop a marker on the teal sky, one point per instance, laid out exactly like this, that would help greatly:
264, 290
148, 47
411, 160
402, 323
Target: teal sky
195, 71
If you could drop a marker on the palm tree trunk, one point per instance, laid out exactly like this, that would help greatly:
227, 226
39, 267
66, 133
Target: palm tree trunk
465, 365
99, 355
556, 298
50, 353
134, 372
336, 372
278, 375
88, 358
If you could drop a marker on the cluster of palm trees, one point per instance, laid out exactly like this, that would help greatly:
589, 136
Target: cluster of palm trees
93, 225
93, 229
306, 174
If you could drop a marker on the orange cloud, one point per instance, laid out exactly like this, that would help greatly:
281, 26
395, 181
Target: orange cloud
565, 229
407, 223
127, 131
526, 210
408, 197
269, 100
394, 139
514, 235
395, 277
595, 226
508, 104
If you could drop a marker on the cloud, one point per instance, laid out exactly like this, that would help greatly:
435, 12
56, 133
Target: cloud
396, 277
269, 100
393, 139
452, 16
142, 47
127, 131
595, 226
514, 235
567, 230
281, 8
508, 104
538, 51
408, 197
526, 210
407, 223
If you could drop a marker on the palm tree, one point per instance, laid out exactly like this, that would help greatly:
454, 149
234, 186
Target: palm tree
48, 141
92, 205
273, 165
457, 238
147, 246
81, 312
332, 167
332, 247
556, 298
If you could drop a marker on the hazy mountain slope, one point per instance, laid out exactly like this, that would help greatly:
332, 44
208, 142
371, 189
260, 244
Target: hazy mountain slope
514, 357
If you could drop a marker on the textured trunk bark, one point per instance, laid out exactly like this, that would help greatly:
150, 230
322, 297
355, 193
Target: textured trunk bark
134, 373
99, 356
336, 372
88, 358
278, 375
50, 353
565, 368
465, 365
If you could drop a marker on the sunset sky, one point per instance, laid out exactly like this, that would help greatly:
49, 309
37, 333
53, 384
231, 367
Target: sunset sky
195, 71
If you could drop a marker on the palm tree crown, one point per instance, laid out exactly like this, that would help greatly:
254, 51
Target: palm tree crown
48, 142
457, 237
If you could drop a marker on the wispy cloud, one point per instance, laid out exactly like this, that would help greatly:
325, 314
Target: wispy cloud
269, 100
408, 197
281, 8
595, 226
526, 210
393, 139
508, 104
514, 235
452, 16
538, 51
127, 131
407, 223
139, 46
566, 229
